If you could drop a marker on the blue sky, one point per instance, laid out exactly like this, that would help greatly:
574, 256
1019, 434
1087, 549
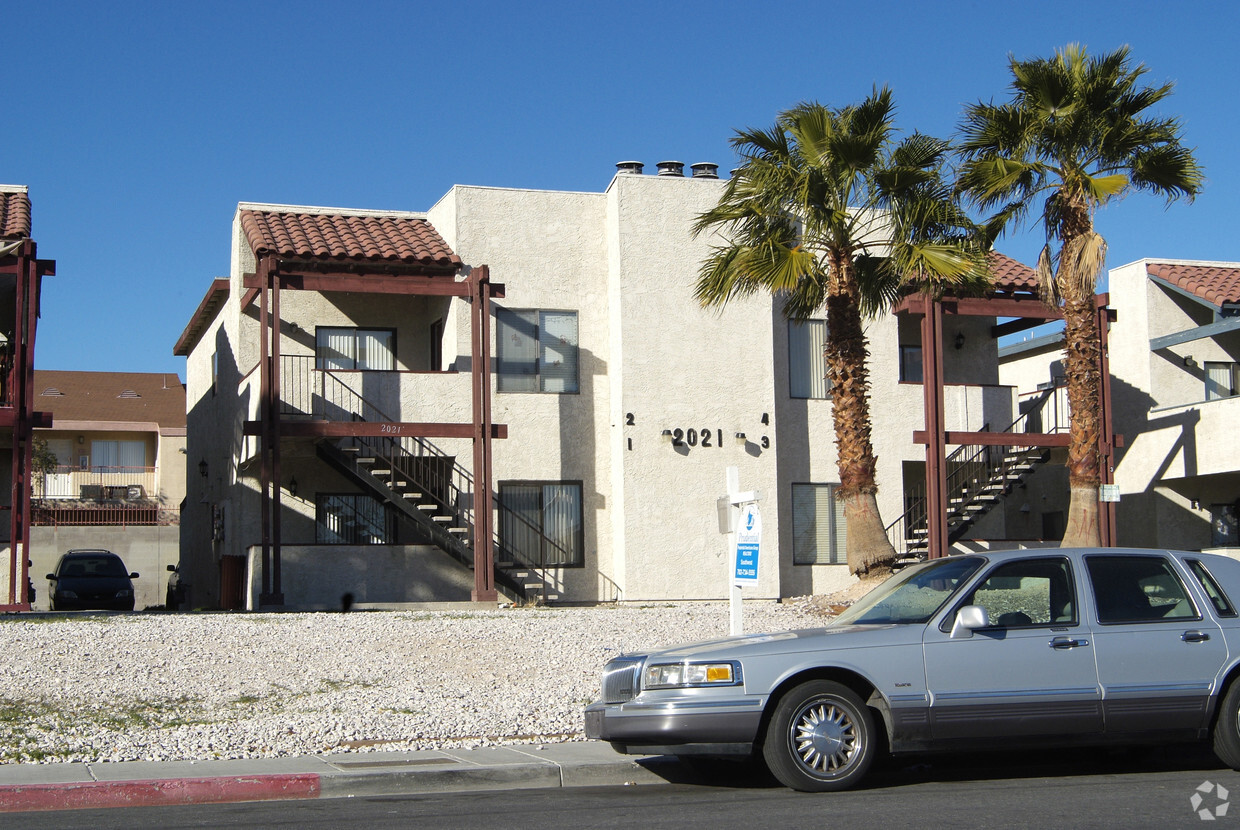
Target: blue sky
138, 126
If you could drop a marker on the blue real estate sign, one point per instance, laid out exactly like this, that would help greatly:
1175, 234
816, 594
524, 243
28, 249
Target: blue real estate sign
748, 545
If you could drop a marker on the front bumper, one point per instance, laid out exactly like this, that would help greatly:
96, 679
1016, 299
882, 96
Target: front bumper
640, 724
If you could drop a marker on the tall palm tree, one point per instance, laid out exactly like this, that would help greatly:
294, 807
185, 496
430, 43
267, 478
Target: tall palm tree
826, 209
1075, 131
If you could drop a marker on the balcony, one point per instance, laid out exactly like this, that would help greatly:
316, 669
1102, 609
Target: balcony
339, 395
97, 484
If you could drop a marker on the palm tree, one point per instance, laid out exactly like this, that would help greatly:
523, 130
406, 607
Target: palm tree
827, 210
1076, 131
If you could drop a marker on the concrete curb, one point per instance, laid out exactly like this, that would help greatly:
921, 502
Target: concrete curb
31, 787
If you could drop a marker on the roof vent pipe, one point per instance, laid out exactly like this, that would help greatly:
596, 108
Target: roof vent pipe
705, 170
671, 168
634, 167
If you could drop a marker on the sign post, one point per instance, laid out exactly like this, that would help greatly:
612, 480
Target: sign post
740, 519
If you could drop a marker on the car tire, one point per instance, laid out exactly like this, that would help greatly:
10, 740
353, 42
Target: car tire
1227, 727
820, 738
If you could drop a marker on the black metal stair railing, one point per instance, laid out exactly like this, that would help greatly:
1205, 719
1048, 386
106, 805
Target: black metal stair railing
979, 475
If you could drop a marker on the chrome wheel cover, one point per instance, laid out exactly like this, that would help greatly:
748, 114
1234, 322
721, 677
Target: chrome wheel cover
825, 738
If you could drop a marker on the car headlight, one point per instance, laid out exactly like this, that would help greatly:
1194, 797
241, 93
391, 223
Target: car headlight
67, 594
124, 593
679, 675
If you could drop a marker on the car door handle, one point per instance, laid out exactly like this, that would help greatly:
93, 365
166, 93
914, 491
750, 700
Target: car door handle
1194, 636
1067, 642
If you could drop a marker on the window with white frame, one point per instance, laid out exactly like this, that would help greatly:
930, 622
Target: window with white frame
351, 519
540, 522
1221, 379
807, 365
118, 456
536, 351
343, 347
818, 530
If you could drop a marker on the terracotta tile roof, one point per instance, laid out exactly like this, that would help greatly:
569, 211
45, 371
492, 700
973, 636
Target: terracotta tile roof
134, 397
1010, 276
14, 212
1216, 283
393, 238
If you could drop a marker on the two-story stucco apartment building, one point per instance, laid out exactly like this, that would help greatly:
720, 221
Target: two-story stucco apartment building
377, 400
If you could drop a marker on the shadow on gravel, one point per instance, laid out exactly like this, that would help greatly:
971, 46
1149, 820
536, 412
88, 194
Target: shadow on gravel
911, 770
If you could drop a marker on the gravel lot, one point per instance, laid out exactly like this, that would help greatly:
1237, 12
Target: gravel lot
204, 686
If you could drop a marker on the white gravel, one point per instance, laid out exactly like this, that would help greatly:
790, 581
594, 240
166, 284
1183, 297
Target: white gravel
204, 686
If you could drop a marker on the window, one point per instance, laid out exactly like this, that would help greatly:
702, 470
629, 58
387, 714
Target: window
353, 348
1137, 589
1221, 604
819, 534
807, 365
910, 364
1221, 380
1028, 592
215, 370
536, 351
540, 523
118, 456
351, 519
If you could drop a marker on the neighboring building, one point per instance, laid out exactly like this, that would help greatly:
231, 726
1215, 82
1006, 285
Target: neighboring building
1175, 351
115, 474
21, 272
342, 398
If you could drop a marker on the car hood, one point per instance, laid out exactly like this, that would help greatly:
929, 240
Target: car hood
93, 583
790, 642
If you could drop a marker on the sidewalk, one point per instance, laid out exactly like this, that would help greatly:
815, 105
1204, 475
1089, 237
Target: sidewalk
28, 787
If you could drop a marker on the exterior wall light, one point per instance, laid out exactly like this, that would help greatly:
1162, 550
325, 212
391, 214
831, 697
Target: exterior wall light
667, 436
1189, 362
292, 486
741, 439
959, 340
202, 468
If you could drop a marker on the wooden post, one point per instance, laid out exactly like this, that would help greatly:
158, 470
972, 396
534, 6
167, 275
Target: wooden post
936, 446
480, 366
273, 409
264, 419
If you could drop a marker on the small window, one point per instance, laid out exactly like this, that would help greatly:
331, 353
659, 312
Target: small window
351, 519
1217, 598
1030, 592
910, 364
807, 363
819, 534
1221, 380
1130, 589
536, 351
352, 348
540, 523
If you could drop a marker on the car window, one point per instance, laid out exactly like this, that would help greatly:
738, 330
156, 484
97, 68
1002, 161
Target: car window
1137, 589
1219, 599
1028, 592
913, 595
94, 566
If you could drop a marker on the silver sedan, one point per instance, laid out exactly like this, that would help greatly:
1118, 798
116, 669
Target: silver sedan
1051, 647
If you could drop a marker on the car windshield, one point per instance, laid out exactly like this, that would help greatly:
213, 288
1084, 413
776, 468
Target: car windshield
912, 596
93, 566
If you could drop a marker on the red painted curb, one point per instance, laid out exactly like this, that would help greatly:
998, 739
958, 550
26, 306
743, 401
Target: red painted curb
17, 798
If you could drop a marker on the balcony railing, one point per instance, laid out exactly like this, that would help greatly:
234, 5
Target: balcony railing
97, 483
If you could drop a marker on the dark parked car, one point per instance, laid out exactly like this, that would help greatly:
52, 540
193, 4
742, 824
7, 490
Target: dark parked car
1050, 648
91, 580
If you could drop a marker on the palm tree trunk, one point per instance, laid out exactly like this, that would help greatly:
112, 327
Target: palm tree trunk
1081, 367
868, 549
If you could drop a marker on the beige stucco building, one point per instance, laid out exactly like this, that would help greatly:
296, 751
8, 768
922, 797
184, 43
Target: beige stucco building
622, 403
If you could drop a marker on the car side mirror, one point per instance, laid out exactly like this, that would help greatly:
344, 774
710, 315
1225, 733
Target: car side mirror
968, 619
172, 568
133, 575
52, 577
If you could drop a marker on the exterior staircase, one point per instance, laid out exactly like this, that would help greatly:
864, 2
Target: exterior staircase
426, 488
979, 478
